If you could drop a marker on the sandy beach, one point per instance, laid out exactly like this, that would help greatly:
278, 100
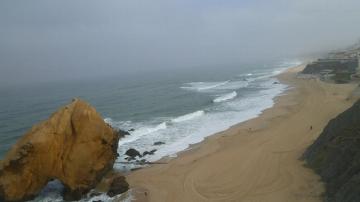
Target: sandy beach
258, 160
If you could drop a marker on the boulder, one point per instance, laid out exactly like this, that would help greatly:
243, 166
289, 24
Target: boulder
149, 152
118, 186
74, 145
158, 143
132, 153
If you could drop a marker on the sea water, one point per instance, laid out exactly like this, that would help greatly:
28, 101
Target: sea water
176, 107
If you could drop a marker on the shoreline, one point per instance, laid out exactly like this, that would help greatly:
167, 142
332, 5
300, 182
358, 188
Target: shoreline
191, 147
218, 168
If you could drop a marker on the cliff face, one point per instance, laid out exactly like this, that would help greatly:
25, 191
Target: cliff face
74, 146
333, 65
335, 156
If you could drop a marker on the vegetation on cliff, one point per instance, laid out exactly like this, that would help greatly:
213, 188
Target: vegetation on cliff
335, 156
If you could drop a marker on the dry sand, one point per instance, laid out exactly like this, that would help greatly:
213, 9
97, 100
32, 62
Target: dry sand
257, 160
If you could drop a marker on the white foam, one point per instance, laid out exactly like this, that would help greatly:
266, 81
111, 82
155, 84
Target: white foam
188, 117
108, 121
234, 85
201, 86
194, 127
140, 132
52, 192
179, 135
225, 97
196, 131
209, 87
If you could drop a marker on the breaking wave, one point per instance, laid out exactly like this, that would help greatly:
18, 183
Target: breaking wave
188, 117
201, 86
226, 97
140, 132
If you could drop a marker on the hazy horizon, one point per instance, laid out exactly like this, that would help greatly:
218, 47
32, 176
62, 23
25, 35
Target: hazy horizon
59, 40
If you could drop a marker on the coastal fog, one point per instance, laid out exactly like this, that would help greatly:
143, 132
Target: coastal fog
61, 40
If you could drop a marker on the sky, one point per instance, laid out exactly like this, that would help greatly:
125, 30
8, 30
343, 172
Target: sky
44, 40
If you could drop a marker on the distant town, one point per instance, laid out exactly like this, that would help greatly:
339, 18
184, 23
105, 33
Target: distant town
337, 66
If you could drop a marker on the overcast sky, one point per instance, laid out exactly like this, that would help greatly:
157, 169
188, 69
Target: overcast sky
71, 39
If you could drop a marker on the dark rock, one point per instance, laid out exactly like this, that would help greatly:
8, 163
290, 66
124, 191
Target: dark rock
159, 143
95, 194
149, 152
335, 156
73, 195
98, 201
118, 186
123, 133
142, 161
129, 158
131, 130
276, 82
133, 153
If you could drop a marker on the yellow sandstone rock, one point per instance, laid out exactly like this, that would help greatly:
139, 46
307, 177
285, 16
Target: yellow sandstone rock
74, 145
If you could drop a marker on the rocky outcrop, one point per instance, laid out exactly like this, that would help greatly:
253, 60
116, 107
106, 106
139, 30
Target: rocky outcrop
118, 186
158, 143
123, 133
74, 146
335, 156
132, 153
152, 152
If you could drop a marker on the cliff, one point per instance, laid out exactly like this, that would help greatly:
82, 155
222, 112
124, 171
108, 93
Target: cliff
332, 65
74, 146
335, 156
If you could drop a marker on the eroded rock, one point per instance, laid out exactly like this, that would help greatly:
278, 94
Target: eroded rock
74, 145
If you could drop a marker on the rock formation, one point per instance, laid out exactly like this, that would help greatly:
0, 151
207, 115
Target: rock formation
132, 153
335, 156
158, 143
118, 186
74, 146
152, 152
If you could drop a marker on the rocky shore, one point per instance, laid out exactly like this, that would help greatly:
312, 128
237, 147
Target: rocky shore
74, 146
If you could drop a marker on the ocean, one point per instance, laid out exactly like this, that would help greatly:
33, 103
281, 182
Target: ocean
178, 108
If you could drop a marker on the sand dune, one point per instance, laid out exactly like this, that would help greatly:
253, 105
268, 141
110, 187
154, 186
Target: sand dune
254, 161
